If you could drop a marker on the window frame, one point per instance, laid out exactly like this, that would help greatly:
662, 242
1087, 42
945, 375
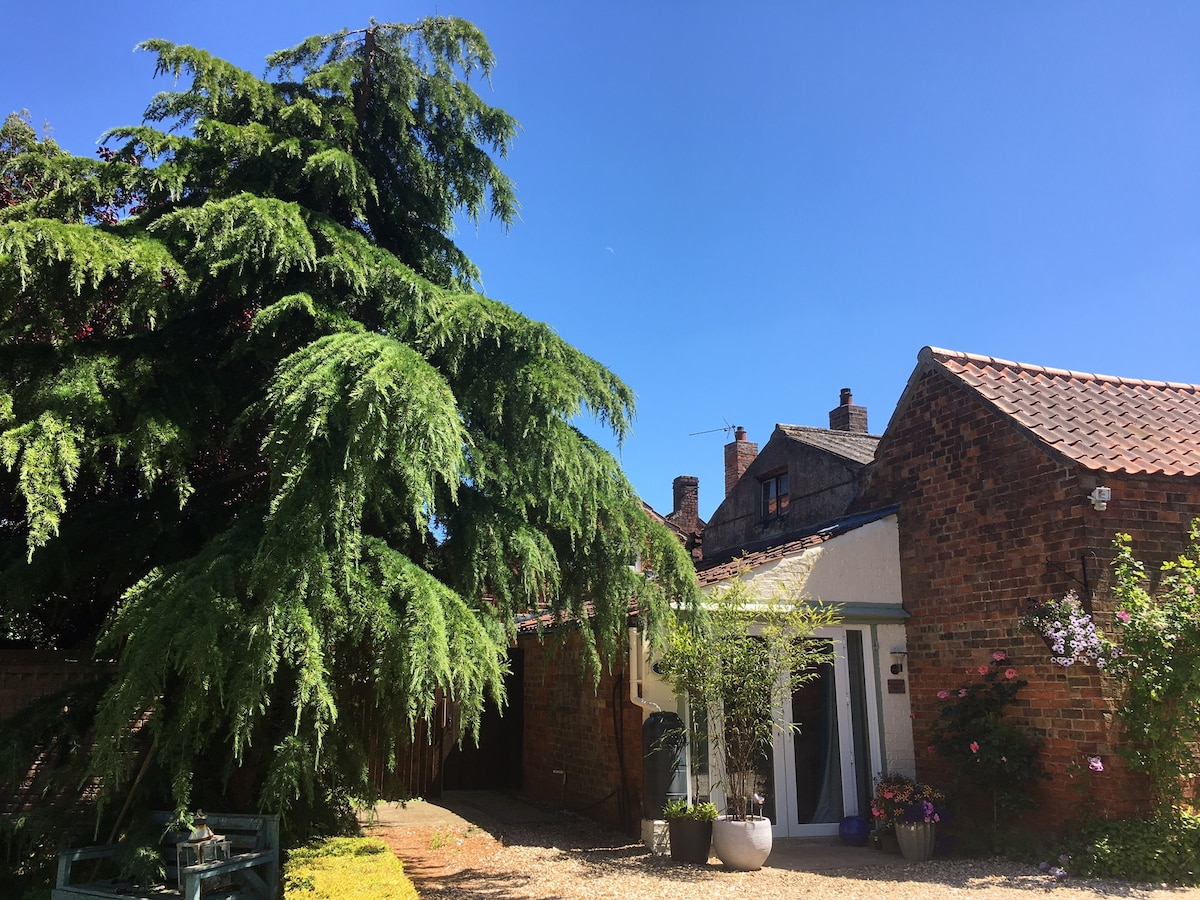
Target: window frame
774, 496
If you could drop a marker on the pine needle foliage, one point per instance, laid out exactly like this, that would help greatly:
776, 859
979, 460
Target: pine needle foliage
263, 441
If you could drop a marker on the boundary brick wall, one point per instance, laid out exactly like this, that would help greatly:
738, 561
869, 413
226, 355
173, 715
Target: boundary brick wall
989, 517
571, 728
27, 675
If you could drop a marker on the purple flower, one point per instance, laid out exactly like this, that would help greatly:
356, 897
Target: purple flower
1096, 764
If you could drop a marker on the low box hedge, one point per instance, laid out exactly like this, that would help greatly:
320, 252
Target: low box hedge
346, 869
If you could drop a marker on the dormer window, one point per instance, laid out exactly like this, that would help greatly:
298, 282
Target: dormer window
774, 495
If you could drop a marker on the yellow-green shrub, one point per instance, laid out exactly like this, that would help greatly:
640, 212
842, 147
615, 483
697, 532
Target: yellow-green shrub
346, 869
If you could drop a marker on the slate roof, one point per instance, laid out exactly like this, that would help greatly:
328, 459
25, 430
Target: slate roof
1101, 422
849, 444
712, 571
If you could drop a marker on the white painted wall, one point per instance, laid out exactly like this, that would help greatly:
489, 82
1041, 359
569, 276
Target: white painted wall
862, 568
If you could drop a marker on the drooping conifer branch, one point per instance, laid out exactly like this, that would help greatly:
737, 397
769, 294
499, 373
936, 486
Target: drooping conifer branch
244, 349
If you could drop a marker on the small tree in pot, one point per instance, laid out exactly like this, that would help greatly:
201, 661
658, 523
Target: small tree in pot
734, 658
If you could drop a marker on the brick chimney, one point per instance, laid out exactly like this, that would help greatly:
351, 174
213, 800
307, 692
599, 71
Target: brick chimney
686, 511
739, 453
847, 416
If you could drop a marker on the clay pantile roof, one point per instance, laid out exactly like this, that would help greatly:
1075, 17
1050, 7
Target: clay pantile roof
852, 445
656, 516
1101, 422
548, 620
710, 572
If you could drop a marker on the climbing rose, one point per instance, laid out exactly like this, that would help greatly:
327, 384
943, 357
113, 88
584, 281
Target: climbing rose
942, 695
999, 656
983, 670
974, 746
1010, 673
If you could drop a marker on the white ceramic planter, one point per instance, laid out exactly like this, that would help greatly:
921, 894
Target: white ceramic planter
742, 846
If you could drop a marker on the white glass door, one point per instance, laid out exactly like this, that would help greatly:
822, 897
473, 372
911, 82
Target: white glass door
821, 769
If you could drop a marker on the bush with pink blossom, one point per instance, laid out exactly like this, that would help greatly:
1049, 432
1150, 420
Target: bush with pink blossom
991, 760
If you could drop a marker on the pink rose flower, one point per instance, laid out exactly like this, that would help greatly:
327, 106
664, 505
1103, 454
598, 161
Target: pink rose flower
974, 746
943, 695
962, 692
1010, 673
983, 670
1123, 616
999, 656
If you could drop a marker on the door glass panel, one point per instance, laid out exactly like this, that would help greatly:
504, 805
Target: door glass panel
858, 719
817, 757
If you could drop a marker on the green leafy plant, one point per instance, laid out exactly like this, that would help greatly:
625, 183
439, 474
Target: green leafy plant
988, 756
1165, 848
732, 658
444, 837
1160, 667
681, 810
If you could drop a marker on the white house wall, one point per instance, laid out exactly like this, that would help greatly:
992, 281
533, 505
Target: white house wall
860, 568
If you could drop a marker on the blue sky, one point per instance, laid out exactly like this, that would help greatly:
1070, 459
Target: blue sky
743, 210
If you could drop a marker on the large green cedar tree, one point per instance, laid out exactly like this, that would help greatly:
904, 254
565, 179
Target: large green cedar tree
266, 445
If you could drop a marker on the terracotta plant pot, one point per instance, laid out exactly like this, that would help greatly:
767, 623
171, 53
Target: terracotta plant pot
690, 840
742, 846
916, 841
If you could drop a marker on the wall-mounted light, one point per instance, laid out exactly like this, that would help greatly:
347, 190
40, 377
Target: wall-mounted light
898, 656
1100, 497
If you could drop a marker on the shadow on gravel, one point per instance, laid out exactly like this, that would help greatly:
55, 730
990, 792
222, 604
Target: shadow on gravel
475, 883
609, 856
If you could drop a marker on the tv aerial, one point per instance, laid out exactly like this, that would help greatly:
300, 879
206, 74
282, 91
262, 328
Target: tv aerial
727, 429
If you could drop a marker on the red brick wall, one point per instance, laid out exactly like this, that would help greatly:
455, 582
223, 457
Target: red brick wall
26, 675
571, 728
988, 518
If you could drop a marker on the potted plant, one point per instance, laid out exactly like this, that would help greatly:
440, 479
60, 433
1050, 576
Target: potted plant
733, 658
691, 830
908, 810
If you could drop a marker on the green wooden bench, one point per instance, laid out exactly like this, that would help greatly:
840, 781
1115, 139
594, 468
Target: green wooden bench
250, 873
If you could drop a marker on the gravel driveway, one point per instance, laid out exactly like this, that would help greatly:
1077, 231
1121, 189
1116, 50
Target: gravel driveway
456, 855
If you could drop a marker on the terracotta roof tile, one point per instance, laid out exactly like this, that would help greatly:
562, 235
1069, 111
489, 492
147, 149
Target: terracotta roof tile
1102, 422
